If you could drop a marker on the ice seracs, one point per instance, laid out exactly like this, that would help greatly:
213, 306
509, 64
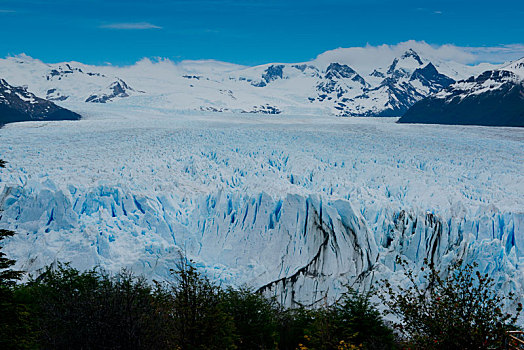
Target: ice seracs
295, 206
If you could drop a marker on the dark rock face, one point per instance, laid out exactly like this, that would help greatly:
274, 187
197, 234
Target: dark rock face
494, 98
55, 95
430, 77
265, 109
335, 72
411, 53
300, 67
117, 89
338, 71
66, 70
378, 74
500, 107
401, 96
18, 105
271, 73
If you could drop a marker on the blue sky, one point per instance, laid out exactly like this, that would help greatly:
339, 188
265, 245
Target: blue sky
245, 32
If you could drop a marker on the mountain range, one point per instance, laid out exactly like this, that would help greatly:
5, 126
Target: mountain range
494, 98
297, 206
337, 83
420, 88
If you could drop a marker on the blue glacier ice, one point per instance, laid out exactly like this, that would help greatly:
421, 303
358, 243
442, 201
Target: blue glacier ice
297, 207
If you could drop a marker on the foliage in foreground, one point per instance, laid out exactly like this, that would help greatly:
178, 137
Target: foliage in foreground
64, 308
459, 311
93, 310
15, 327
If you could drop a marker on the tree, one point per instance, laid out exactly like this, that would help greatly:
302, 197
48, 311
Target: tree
353, 322
459, 311
8, 276
199, 318
292, 327
93, 310
358, 320
15, 329
256, 318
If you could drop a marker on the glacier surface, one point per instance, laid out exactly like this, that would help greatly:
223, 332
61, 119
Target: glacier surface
297, 206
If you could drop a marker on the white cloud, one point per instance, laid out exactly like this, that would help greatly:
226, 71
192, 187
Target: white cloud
131, 26
500, 53
371, 56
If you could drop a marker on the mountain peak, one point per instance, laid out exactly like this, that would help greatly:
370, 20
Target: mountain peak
410, 53
404, 65
337, 71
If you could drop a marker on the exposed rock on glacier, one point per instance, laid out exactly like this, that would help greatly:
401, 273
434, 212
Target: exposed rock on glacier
117, 89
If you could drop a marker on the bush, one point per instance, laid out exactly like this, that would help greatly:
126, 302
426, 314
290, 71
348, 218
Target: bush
256, 319
351, 323
91, 310
293, 325
199, 318
459, 311
15, 329
357, 319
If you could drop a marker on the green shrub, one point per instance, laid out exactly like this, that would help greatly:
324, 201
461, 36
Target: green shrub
199, 318
459, 311
91, 310
256, 318
352, 322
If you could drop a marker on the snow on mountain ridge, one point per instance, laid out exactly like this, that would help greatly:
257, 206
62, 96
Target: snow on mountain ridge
516, 67
384, 84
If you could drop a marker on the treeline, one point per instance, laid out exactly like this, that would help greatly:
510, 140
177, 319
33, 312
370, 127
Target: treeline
64, 308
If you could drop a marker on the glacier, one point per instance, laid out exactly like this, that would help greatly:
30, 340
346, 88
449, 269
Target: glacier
295, 206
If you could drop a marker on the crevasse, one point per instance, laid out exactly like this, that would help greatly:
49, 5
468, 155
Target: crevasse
302, 248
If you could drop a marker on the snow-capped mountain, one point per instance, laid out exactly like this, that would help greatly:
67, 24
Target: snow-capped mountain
17, 104
64, 82
495, 97
407, 80
353, 84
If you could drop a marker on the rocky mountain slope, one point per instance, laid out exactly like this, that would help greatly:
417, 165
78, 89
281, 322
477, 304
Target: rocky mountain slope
335, 83
17, 105
493, 98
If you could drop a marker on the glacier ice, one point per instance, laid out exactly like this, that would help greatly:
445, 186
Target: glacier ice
294, 206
